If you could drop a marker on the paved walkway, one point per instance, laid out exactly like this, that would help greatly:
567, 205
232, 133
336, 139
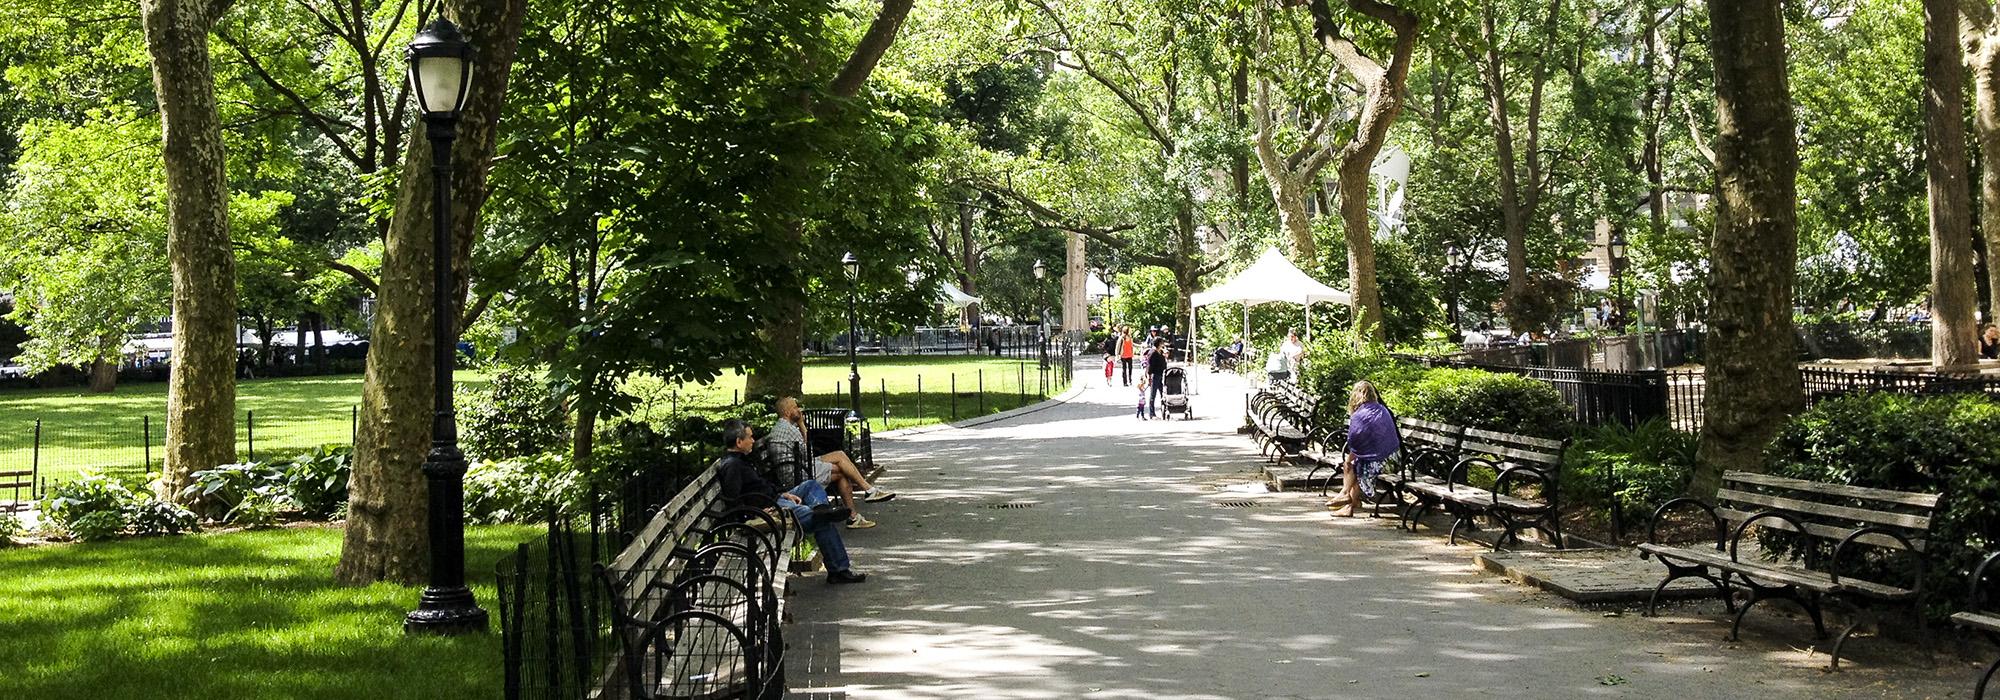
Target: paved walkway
1125, 576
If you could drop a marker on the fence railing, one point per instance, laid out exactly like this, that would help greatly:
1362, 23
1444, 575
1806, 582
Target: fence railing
1017, 342
1598, 397
55, 448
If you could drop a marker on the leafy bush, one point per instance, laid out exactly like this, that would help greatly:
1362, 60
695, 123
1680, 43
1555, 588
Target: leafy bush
90, 507
227, 488
1930, 444
316, 482
10, 528
513, 415
525, 489
1651, 463
154, 517
1335, 362
1478, 399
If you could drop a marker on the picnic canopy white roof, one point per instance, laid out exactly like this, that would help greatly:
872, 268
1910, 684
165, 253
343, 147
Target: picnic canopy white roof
1272, 279
950, 295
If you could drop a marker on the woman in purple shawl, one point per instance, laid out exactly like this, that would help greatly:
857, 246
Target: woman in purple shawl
1371, 438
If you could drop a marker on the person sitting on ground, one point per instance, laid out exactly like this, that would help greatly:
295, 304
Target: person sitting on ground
1371, 439
834, 471
1989, 343
742, 485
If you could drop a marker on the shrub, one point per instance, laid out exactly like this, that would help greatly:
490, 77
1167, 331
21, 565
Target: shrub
229, 487
10, 528
1931, 444
90, 507
316, 482
1489, 400
1334, 363
524, 489
513, 415
1652, 464
154, 517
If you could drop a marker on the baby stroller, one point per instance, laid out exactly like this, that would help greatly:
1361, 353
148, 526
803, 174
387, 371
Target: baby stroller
1174, 393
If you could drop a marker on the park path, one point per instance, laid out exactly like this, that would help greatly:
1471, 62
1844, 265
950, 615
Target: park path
1126, 577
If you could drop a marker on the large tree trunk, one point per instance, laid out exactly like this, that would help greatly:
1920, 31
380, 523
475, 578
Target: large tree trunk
386, 538
201, 390
782, 371
104, 376
1076, 286
1954, 295
969, 254
1360, 247
1986, 89
1753, 381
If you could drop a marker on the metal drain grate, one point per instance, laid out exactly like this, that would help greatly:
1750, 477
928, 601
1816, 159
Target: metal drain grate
1237, 504
1011, 505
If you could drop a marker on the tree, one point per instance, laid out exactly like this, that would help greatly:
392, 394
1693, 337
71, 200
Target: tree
1954, 297
1522, 178
201, 391
386, 539
780, 373
1383, 87
84, 230
1753, 383
1979, 33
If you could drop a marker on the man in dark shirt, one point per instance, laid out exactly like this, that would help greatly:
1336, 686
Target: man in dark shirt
743, 485
1156, 376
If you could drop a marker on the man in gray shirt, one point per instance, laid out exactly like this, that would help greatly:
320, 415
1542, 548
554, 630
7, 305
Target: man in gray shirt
834, 470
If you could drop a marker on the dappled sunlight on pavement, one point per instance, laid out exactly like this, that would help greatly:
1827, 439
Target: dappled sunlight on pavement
1124, 566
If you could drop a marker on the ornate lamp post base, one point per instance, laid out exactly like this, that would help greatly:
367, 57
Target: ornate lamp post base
446, 611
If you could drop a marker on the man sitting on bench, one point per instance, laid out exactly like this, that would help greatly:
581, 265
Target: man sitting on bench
742, 485
833, 470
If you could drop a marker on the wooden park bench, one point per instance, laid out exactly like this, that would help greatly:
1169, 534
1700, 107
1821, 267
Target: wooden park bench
1430, 450
1281, 420
1525, 491
1982, 614
1891, 523
17, 481
697, 600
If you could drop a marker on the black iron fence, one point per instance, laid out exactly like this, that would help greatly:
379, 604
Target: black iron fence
1598, 397
1017, 342
57, 448
1822, 383
555, 617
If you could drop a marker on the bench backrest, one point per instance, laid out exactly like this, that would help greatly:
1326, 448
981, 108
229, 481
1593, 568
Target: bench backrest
660, 550
1828, 511
1296, 400
1540, 454
1421, 433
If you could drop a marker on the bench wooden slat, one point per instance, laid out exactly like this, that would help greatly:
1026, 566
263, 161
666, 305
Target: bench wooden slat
1918, 541
1920, 500
661, 520
1523, 440
1914, 522
1978, 621
1510, 453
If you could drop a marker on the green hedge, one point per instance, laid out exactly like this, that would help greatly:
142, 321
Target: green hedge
1932, 444
1652, 464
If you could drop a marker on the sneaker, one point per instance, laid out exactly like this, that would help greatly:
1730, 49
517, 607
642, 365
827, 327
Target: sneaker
859, 523
879, 494
845, 576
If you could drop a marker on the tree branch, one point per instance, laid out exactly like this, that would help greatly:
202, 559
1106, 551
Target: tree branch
881, 34
304, 109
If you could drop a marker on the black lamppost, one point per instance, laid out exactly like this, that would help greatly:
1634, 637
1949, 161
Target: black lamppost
1615, 250
853, 267
441, 74
1042, 273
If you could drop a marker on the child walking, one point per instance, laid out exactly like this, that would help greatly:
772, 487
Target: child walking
1109, 364
1140, 412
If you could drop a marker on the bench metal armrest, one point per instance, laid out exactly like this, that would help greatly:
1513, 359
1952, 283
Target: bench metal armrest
1653, 524
1461, 472
1736, 538
1833, 567
1547, 481
1974, 599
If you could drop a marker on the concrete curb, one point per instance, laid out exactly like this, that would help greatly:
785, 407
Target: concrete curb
1631, 586
1075, 389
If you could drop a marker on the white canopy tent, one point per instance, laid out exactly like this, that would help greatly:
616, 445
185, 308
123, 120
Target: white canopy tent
951, 296
1271, 279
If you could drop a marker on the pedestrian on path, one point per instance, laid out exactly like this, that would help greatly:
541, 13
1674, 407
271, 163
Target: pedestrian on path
1139, 411
1372, 438
1156, 376
1125, 352
1108, 367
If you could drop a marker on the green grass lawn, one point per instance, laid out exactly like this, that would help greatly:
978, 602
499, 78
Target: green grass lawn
108, 432
237, 615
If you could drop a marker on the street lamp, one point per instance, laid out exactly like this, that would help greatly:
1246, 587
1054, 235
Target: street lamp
1042, 273
441, 74
1616, 248
853, 267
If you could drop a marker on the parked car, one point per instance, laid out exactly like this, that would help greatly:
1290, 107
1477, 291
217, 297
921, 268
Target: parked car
13, 372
